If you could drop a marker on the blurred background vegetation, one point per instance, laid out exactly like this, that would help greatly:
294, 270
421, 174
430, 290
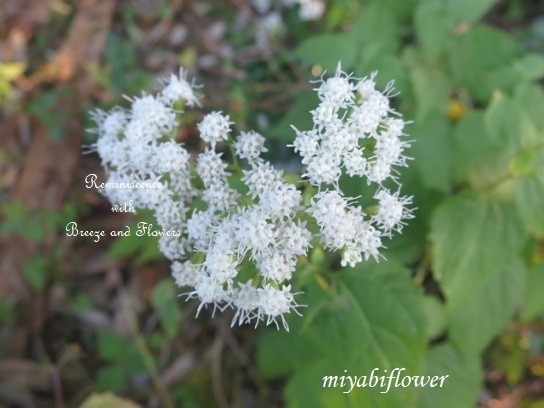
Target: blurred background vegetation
80, 319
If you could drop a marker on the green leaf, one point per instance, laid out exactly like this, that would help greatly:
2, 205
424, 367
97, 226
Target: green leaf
11, 70
145, 247
107, 400
431, 91
507, 125
16, 219
460, 389
434, 312
470, 143
298, 115
112, 378
531, 98
273, 344
530, 66
522, 162
471, 59
35, 271
112, 346
375, 18
326, 50
474, 238
469, 11
402, 10
530, 203
474, 320
164, 300
533, 301
433, 23
432, 152
389, 67
372, 318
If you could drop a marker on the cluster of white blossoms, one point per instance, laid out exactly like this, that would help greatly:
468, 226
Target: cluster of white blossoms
241, 231
356, 132
308, 9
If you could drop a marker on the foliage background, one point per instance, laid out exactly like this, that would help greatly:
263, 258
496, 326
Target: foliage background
461, 293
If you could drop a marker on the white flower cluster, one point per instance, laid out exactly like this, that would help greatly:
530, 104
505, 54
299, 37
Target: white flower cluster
270, 23
356, 132
241, 231
308, 9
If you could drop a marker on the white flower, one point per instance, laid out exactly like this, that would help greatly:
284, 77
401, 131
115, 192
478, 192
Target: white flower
261, 177
178, 88
337, 90
170, 157
311, 9
368, 241
214, 127
255, 234
200, 228
274, 303
276, 266
210, 167
172, 247
250, 145
221, 265
306, 144
280, 200
209, 291
244, 250
153, 114
220, 196
184, 273
392, 210
246, 300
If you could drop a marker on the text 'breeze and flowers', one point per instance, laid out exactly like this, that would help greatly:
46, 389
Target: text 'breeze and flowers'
244, 228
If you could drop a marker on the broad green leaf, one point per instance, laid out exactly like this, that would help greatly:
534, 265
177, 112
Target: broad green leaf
113, 377
507, 125
530, 203
470, 142
431, 91
533, 301
460, 389
503, 78
372, 318
432, 152
389, 68
530, 66
403, 10
434, 312
407, 246
112, 346
531, 98
469, 11
280, 343
375, 18
522, 162
471, 59
326, 50
474, 320
474, 238
433, 23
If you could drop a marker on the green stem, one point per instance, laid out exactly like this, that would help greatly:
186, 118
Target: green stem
162, 392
